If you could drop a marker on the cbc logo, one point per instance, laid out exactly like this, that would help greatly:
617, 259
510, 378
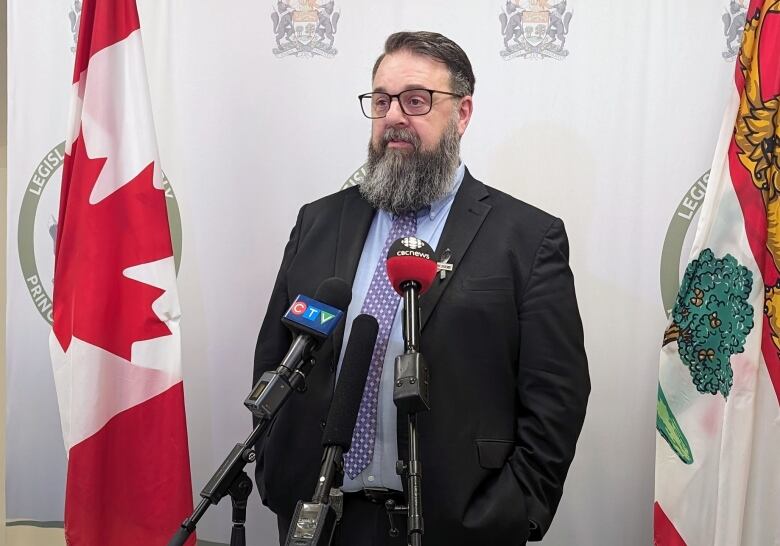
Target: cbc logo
412, 242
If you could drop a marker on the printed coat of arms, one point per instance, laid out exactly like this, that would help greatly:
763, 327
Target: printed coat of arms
535, 29
304, 28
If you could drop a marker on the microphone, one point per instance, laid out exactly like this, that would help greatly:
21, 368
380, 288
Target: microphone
314, 522
411, 260
411, 269
311, 320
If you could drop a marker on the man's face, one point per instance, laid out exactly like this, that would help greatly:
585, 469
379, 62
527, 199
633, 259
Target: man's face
412, 159
403, 70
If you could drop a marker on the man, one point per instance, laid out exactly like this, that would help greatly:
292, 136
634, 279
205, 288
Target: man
501, 332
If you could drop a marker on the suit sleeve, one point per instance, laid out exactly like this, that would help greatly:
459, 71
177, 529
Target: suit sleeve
553, 382
274, 339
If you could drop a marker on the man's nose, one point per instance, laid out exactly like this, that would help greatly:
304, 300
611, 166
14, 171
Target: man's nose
395, 115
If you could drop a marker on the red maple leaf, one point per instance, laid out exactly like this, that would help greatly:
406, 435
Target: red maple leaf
93, 300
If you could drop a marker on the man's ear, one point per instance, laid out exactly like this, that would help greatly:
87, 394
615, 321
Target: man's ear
465, 108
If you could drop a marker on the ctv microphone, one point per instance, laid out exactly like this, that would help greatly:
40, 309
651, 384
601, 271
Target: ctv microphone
313, 320
314, 522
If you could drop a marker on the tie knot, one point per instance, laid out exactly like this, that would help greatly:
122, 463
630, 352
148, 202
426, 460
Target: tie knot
405, 224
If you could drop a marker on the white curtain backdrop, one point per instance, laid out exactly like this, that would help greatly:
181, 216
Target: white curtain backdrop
609, 132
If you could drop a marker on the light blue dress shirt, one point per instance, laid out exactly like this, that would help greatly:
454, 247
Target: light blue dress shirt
380, 472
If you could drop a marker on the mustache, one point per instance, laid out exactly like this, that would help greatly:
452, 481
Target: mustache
399, 134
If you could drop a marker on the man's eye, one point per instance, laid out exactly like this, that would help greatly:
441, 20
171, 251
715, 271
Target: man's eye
381, 103
416, 101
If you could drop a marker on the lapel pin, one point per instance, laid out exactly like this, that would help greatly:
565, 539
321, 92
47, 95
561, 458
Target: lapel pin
444, 266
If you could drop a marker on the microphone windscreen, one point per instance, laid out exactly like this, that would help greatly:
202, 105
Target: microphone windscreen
334, 292
352, 381
411, 259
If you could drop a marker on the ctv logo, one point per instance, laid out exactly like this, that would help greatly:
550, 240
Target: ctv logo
317, 318
311, 313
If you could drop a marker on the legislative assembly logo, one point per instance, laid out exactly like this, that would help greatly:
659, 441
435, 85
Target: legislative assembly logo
305, 28
535, 29
355, 178
677, 234
37, 228
734, 19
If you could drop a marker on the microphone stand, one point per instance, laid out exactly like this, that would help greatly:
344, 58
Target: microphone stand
411, 396
314, 523
267, 397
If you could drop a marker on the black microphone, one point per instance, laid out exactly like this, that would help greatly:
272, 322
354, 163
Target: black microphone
342, 416
314, 522
312, 321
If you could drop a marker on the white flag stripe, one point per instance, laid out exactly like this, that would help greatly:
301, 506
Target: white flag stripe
94, 385
125, 136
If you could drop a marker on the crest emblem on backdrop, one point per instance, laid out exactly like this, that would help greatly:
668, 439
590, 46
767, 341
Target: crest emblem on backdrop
305, 28
535, 29
734, 19
75, 18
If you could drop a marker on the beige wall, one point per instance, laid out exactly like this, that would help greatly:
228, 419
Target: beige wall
3, 214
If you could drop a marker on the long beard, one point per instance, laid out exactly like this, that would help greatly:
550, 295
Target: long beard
402, 182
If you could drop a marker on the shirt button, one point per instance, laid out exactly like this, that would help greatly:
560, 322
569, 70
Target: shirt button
371, 478
322, 423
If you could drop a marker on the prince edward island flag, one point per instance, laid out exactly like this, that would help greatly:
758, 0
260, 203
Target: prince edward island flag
717, 473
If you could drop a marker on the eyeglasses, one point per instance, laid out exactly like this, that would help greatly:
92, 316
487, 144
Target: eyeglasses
413, 102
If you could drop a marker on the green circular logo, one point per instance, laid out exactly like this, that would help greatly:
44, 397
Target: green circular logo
356, 178
37, 228
675, 239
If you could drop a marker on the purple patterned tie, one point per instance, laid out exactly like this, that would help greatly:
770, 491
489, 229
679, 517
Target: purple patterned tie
382, 302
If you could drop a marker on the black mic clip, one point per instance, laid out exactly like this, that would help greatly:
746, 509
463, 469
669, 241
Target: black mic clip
315, 522
272, 389
410, 391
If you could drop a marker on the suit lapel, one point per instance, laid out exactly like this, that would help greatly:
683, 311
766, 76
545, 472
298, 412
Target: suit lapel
466, 216
355, 221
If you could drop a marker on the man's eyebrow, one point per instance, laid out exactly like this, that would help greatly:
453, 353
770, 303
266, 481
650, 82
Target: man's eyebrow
382, 89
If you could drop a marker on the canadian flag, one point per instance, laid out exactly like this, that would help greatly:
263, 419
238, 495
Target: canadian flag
115, 345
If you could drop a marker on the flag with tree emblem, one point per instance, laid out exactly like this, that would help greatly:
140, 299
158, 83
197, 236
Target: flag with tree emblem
717, 475
115, 343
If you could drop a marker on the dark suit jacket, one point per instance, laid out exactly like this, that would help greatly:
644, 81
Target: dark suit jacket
503, 340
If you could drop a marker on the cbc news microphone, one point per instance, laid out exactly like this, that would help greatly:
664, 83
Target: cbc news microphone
311, 320
411, 269
410, 261
314, 522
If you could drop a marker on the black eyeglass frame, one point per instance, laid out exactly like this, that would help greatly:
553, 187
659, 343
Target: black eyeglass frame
400, 104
